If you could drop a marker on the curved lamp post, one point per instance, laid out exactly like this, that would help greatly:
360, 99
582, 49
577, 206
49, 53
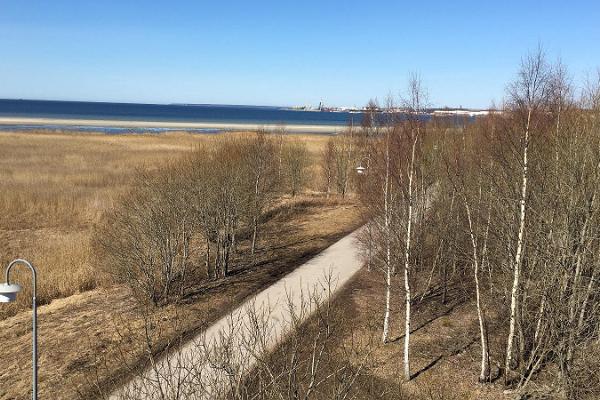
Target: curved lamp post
8, 293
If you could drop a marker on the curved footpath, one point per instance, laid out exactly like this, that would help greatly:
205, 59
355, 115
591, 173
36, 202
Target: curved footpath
197, 370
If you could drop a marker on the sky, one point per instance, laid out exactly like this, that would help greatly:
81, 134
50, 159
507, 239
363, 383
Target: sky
285, 52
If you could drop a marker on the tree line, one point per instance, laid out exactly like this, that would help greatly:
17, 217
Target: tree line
504, 207
507, 203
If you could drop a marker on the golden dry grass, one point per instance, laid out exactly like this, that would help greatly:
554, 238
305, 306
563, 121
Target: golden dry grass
54, 187
88, 340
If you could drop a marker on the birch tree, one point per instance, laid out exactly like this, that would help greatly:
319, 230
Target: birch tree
412, 141
387, 222
527, 94
463, 168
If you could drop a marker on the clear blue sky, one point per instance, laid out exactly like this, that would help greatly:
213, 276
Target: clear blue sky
283, 53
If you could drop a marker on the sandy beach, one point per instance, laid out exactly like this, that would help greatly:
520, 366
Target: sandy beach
53, 122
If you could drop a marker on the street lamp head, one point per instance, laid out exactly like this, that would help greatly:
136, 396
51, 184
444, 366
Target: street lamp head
8, 292
360, 170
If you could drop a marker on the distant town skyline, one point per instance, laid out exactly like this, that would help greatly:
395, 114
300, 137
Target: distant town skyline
284, 54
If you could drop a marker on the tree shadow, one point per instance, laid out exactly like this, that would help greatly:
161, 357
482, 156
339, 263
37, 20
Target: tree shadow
429, 321
451, 353
269, 266
459, 350
431, 364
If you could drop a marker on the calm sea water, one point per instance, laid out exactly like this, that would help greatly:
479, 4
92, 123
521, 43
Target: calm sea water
186, 113
172, 113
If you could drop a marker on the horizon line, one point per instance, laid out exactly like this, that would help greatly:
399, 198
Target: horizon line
228, 104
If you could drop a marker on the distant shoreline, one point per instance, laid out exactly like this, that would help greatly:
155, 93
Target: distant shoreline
56, 123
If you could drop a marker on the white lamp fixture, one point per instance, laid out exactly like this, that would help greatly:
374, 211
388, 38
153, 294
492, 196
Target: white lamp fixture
8, 292
360, 170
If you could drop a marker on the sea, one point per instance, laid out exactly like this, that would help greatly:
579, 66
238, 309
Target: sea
168, 113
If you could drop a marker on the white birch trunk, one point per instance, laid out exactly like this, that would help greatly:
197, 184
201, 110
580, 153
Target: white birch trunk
519, 254
388, 250
484, 375
386, 318
407, 298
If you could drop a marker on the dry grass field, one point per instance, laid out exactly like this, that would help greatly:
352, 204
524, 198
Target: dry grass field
54, 187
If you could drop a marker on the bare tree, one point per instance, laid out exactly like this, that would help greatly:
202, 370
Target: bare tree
387, 224
280, 134
259, 161
528, 95
460, 171
415, 104
295, 163
344, 156
328, 165
145, 240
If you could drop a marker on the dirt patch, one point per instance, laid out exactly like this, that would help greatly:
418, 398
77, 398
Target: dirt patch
445, 352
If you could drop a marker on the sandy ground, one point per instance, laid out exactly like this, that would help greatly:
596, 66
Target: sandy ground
189, 368
297, 128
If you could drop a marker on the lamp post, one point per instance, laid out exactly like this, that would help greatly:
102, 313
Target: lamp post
8, 293
360, 170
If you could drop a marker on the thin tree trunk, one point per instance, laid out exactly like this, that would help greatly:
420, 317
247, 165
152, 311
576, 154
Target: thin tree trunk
484, 375
514, 299
388, 250
207, 262
254, 234
256, 211
444, 268
370, 245
184, 262
576, 283
386, 318
407, 254
586, 298
218, 268
444, 282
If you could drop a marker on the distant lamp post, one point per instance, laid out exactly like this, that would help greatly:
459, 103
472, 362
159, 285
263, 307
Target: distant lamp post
8, 293
360, 170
